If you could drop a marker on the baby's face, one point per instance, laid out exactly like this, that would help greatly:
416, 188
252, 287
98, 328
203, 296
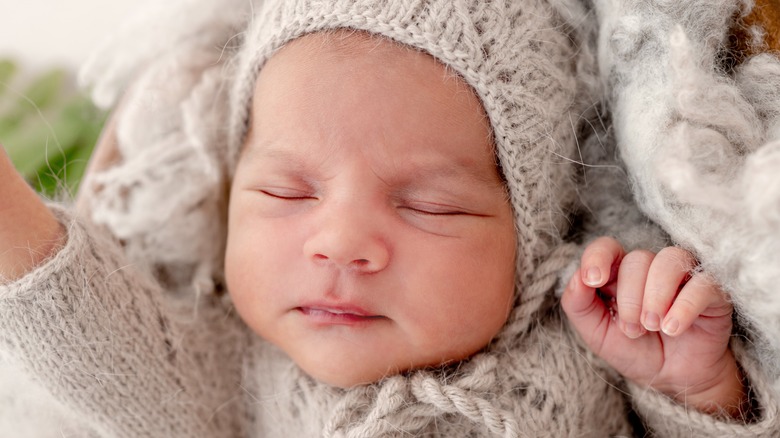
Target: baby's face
369, 230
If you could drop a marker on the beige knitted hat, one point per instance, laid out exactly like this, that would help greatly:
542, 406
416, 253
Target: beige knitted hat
513, 55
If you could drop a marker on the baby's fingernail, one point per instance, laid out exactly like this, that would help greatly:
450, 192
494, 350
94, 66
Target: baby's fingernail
632, 330
652, 321
593, 276
671, 326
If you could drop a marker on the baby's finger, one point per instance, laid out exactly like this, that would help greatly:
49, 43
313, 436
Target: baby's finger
589, 315
598, 260
670, 268
700, 296
632, 277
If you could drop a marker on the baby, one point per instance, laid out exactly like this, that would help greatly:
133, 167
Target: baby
368, 187
398, 201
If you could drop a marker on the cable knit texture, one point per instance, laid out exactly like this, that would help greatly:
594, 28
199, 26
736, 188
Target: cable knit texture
106, 341
127, 328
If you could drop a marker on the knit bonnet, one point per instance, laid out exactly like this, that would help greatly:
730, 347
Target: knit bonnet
514, 56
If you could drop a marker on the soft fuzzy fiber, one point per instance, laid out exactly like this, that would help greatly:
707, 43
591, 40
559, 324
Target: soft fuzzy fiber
701, 143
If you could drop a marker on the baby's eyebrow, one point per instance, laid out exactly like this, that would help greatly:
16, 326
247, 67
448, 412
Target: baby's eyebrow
457, 171
449, 171
266, 150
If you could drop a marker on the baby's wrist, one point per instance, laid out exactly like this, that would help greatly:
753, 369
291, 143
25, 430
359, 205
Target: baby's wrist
725, 396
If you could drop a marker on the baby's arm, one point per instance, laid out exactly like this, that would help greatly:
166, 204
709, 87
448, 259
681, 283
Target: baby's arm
101, 336
659, 324
29, 232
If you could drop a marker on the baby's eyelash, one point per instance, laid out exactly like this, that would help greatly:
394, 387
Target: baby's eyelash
442, 213
289, 196
432, 211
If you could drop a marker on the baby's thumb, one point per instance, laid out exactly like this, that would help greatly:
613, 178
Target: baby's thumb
586, 311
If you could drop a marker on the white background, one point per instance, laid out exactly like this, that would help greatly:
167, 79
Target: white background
46, 33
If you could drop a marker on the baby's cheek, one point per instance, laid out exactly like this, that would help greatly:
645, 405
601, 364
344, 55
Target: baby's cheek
471, 315
237, 275
246, 263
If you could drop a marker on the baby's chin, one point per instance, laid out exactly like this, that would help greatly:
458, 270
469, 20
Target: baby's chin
349, 379
348, 373
353, 373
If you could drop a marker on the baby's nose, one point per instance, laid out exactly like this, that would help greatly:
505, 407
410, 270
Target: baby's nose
349, 241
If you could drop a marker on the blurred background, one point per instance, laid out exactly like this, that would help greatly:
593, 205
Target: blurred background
47, 125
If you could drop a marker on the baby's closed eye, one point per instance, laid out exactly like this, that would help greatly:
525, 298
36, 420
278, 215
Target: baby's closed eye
436, 209
286, 193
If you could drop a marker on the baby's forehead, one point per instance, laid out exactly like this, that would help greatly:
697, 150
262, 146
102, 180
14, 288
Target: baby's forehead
350, 46
400, 80
353, 88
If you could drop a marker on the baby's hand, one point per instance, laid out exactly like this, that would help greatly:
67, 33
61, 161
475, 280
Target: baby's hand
29, 232
657, 323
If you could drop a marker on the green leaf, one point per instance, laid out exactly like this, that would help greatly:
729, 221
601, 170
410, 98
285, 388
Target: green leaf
49, 130
77, 162
30, 149
42, 93
79, 125
45, 89
7, 70
49, 179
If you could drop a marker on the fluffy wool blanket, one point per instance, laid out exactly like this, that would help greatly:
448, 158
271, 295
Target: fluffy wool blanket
696, 127
699, 132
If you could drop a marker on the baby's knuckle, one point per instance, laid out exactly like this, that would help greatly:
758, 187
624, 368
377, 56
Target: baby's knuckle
602, 247
686, 304
629, 304
609, 243
708, 285
678, 256
655, 293
639, 258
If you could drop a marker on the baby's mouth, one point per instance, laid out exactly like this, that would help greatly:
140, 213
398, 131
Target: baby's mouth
337, 315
